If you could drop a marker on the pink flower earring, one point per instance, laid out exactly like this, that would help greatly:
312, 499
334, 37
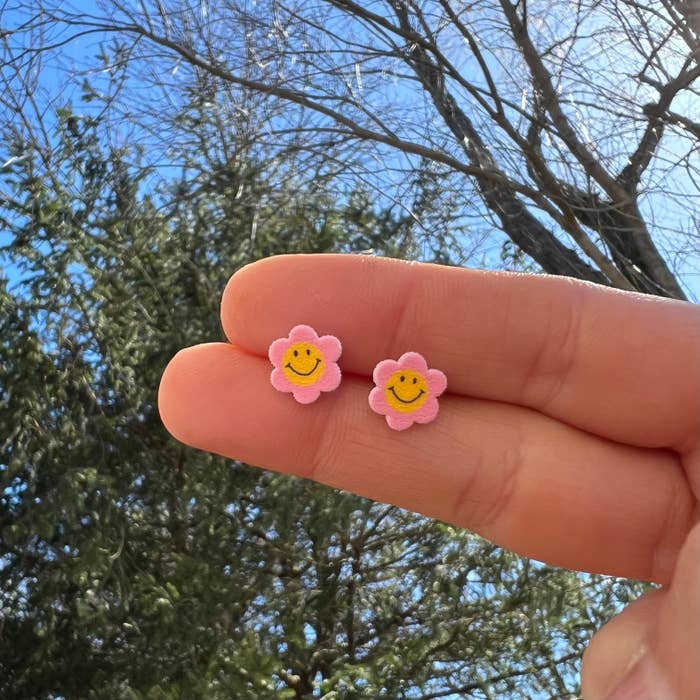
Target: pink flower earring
305, 363
407, 391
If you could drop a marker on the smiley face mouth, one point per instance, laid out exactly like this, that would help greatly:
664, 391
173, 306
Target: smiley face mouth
306, 374
398, 398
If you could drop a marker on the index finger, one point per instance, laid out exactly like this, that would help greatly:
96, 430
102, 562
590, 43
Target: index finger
621, 365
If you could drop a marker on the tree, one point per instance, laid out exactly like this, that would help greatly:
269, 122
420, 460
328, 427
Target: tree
134, 567
569, 136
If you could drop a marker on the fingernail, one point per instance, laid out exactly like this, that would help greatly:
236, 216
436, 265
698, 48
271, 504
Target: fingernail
644, 681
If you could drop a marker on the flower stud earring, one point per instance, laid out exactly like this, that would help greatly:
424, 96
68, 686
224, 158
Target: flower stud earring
305, 363
406, 391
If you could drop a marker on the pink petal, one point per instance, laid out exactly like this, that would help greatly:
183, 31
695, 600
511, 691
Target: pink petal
330, 346
415, 361
437, 382
427, 412
280, 382
277, 350
303, 333
330, 380
399, 421
377, 402
306, 394
384, 370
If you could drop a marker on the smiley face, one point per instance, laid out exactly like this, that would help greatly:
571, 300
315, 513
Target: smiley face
303, 364
406, 390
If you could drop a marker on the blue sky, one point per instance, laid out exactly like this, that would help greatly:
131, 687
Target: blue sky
77, 55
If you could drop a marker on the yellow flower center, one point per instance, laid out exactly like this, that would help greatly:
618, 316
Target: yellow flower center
406, 390
303, 364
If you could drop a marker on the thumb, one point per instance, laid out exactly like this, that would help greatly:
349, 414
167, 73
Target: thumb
651, 649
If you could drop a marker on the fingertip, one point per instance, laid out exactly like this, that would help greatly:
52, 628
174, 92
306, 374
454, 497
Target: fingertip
236, 292
247, 292
167, 391
263, 300
172, 390
184, 393
617, 647
215, 397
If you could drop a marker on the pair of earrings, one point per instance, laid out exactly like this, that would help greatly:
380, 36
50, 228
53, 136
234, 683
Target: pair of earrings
406, 390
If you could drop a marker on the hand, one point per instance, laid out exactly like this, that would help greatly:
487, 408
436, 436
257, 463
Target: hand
568, 433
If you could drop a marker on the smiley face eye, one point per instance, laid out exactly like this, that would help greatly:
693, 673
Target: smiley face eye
415, 379
308, 352
403, 379
296, 353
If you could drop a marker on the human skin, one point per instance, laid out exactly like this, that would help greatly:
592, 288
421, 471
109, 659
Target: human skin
568, 432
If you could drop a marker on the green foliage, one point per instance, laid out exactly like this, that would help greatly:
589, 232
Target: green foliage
133, 567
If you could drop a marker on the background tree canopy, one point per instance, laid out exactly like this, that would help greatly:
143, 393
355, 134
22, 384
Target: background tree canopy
148, 151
